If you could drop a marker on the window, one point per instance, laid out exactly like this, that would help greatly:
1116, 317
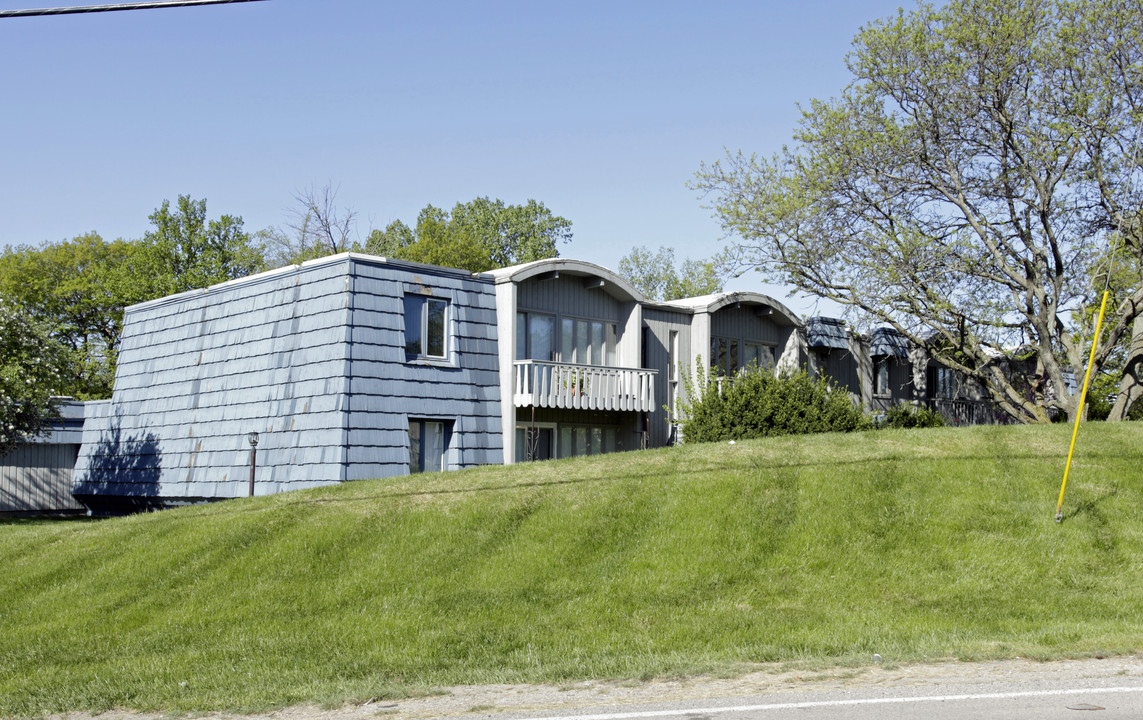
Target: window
758, 354
582, 440
587, 342
724, 355
941, 383
535, 442
535, 336
428, 440
425, 326
547, 441
881, 376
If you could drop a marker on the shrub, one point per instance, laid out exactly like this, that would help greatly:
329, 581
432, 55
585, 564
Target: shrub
755, 403
911, 416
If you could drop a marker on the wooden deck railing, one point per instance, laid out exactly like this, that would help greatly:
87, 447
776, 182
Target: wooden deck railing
583, 387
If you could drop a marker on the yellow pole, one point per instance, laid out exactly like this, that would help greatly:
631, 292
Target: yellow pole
1079, 408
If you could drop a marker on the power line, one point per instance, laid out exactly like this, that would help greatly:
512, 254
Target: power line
116, 6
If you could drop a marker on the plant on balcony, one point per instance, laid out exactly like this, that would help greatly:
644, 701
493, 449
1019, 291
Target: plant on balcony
576, 380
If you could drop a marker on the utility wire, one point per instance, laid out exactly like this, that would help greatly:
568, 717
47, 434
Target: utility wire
115, 6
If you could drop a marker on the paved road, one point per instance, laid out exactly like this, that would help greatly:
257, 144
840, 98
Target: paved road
1100, 699
1019, 689
1009, 690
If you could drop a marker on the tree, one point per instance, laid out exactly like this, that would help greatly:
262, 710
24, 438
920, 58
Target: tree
1118, 273
655, 276
478, 235
436, 240
29, 373
185, 251
77, 290
962, 186
319, 227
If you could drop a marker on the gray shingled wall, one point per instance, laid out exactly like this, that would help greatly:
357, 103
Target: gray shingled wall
310, 357
387, 389
200, 370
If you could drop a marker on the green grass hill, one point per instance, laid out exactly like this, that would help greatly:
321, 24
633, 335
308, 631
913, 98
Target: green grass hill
921, 544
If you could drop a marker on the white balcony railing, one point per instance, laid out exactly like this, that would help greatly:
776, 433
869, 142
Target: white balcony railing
583, 387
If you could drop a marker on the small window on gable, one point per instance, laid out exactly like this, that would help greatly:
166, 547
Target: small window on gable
425, 324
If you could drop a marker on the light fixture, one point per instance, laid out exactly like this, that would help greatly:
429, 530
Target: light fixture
252, 438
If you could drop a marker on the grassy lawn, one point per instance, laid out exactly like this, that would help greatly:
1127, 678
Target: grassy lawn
825, 549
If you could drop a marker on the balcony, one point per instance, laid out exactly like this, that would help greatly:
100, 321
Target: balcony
583, 387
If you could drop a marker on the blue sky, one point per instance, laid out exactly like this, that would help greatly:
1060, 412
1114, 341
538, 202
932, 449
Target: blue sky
602, 111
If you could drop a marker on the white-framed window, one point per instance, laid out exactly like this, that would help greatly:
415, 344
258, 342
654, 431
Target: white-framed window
545, 441
426, 327
428, 441
582, 341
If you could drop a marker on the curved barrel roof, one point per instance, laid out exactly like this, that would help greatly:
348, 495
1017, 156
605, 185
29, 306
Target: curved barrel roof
616, 285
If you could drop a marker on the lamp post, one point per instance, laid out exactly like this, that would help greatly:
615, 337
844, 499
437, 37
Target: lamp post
253, 439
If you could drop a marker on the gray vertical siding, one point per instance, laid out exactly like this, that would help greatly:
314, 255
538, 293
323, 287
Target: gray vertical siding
841, 366
36, 477
660, 323
566, 295
747, 326
386, 389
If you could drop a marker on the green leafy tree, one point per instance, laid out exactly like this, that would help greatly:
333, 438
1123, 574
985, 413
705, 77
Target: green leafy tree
77, 289
185, 251
961, 186
436, 241
29, 376
393, 240
479, 235
655, 274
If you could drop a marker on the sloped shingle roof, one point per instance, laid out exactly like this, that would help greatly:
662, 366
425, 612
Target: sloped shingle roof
826, 332
887, 341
